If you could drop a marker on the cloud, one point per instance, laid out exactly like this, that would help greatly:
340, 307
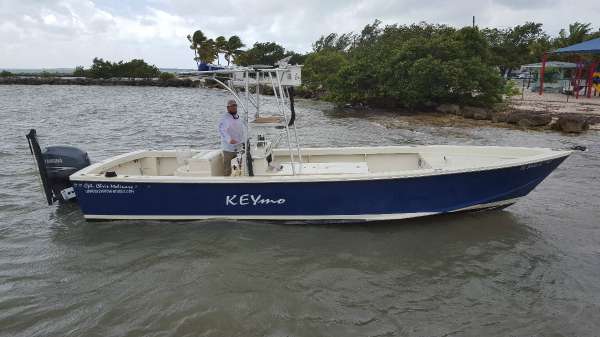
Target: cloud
65, 33
68, 33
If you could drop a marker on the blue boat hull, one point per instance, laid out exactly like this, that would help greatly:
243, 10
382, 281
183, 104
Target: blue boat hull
375, 199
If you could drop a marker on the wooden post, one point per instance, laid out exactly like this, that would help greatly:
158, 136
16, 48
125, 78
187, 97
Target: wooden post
590, 79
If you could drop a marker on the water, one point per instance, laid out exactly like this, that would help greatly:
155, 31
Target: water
530, 270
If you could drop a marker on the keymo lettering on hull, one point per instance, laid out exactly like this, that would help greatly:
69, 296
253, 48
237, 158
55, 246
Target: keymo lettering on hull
251, 200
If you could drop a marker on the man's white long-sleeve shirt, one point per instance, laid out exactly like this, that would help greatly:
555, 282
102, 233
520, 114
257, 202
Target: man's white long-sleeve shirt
231, 128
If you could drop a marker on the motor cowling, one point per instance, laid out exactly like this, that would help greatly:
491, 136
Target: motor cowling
61, 162
55, 164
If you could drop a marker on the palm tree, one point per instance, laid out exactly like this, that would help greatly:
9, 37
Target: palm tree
207, 52
197, 40
233, 48
578, 32
221, 46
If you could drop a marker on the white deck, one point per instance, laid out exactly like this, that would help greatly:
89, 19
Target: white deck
349, 163
322, 168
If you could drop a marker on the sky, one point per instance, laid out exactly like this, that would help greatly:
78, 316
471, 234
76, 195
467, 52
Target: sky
56, 34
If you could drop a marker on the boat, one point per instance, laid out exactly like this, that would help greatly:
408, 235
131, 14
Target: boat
275, 178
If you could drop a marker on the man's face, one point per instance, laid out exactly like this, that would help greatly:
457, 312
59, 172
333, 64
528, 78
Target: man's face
232, 108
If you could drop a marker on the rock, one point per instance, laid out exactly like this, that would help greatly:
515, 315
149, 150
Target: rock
429, 105
572, 123
355, 107
534, 120
481, 115
595, 119
449, 109
512, 117
578, 148
471, 112
528, 118
499, 117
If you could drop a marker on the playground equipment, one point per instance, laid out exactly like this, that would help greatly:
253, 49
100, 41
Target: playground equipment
588, 47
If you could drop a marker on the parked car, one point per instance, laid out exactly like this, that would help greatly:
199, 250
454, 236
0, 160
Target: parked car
524, 75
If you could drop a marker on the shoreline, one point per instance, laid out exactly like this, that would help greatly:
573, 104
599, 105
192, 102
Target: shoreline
140, 82
530, 116
530, 112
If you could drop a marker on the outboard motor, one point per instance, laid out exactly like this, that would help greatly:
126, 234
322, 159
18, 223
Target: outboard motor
55, 164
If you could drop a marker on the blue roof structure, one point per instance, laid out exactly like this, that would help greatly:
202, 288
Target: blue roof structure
586, 47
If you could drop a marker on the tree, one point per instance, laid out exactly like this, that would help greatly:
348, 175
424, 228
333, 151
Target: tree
513, 47
136, 68
165, 76
139, 69
578, 32
334, 41
220, 46
267, 53
46, 74
6, 73
207, 51
296, 58
232, 48
101, 69
202, 47
321, 68
369, 33
79, 71
408, 66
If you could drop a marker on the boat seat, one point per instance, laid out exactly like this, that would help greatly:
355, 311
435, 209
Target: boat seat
209, 163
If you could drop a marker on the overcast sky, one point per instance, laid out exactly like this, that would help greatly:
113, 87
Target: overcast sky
38, 33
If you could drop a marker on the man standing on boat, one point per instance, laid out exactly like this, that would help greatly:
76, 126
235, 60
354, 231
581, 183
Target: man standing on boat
231, 129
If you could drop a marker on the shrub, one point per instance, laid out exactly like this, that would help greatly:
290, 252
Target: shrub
135, 68
165, 76
79, 72
46, 74
409, 66
511, 89
320, 69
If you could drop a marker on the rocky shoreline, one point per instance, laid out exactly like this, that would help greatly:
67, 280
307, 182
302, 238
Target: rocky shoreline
185, 82
176, 82
570, 122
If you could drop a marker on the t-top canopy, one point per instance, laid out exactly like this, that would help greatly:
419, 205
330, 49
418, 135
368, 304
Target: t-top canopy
586, 47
